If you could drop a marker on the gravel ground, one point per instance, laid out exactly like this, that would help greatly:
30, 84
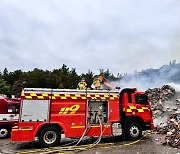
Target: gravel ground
149, 145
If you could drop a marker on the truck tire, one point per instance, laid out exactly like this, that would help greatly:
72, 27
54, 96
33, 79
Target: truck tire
50, 136
4, 132
134, 131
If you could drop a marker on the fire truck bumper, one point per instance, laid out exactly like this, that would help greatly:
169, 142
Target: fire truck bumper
22, 135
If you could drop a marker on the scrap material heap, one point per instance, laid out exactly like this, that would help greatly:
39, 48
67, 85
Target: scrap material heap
173, 134
165, 106
172, 130
162, 100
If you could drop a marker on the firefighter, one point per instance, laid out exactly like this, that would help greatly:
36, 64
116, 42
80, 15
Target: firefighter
97, 82
82, 85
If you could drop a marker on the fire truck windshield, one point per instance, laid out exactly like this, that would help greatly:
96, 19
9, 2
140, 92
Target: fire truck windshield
141, 99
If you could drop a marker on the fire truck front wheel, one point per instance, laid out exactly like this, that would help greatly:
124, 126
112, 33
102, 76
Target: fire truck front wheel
4, 132
50, 136
134, 131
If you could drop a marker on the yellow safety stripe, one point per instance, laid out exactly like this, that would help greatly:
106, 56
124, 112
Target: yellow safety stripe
78, 127
140, 110
40, 97
26, 129
21, 129
45, 95
33, 94
97, 126
15, 130
67, 96
131, 108
28, 97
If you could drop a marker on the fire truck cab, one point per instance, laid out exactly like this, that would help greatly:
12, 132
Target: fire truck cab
47, 113
9, 111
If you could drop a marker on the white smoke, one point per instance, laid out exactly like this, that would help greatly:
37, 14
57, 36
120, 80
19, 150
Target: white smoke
152, 78
175, 86
140, 82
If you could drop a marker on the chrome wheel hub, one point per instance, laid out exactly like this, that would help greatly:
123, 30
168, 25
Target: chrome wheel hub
50, 137
3, 132
134, 131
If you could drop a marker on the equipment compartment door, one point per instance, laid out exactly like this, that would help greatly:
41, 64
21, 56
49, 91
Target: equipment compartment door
35, 110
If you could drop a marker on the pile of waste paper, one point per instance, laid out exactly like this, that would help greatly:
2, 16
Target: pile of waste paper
171, 129
163, 101
165, 105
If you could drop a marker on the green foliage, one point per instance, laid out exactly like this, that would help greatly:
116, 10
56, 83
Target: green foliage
36, 78
17, 87
5, 88
73, 79
108, 75
66, 78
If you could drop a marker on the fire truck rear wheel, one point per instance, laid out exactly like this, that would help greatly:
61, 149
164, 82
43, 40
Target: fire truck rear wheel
4, 132
134, 131
50, 136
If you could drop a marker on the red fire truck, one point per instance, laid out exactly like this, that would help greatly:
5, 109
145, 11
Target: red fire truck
45, 114
8, 115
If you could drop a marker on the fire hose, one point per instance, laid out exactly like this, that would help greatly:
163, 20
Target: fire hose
81, 147
76, 148
85, 132
134, 142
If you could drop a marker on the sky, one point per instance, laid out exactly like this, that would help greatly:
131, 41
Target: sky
119, 35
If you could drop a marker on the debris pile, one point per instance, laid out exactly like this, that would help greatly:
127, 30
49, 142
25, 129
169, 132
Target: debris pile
162, 100
165, 105
173, 131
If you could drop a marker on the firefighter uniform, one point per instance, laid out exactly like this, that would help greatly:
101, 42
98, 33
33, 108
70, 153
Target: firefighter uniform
97, 83
82, 85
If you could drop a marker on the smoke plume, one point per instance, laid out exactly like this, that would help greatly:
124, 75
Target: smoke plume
153, 81
152, 78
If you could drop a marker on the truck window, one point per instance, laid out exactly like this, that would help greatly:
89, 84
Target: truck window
11, 108
129, 98
141, 99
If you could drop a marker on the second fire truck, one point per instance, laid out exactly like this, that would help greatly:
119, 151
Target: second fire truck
9, 112
45, 114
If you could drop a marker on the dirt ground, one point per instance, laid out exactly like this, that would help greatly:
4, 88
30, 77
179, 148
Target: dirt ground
149, 145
